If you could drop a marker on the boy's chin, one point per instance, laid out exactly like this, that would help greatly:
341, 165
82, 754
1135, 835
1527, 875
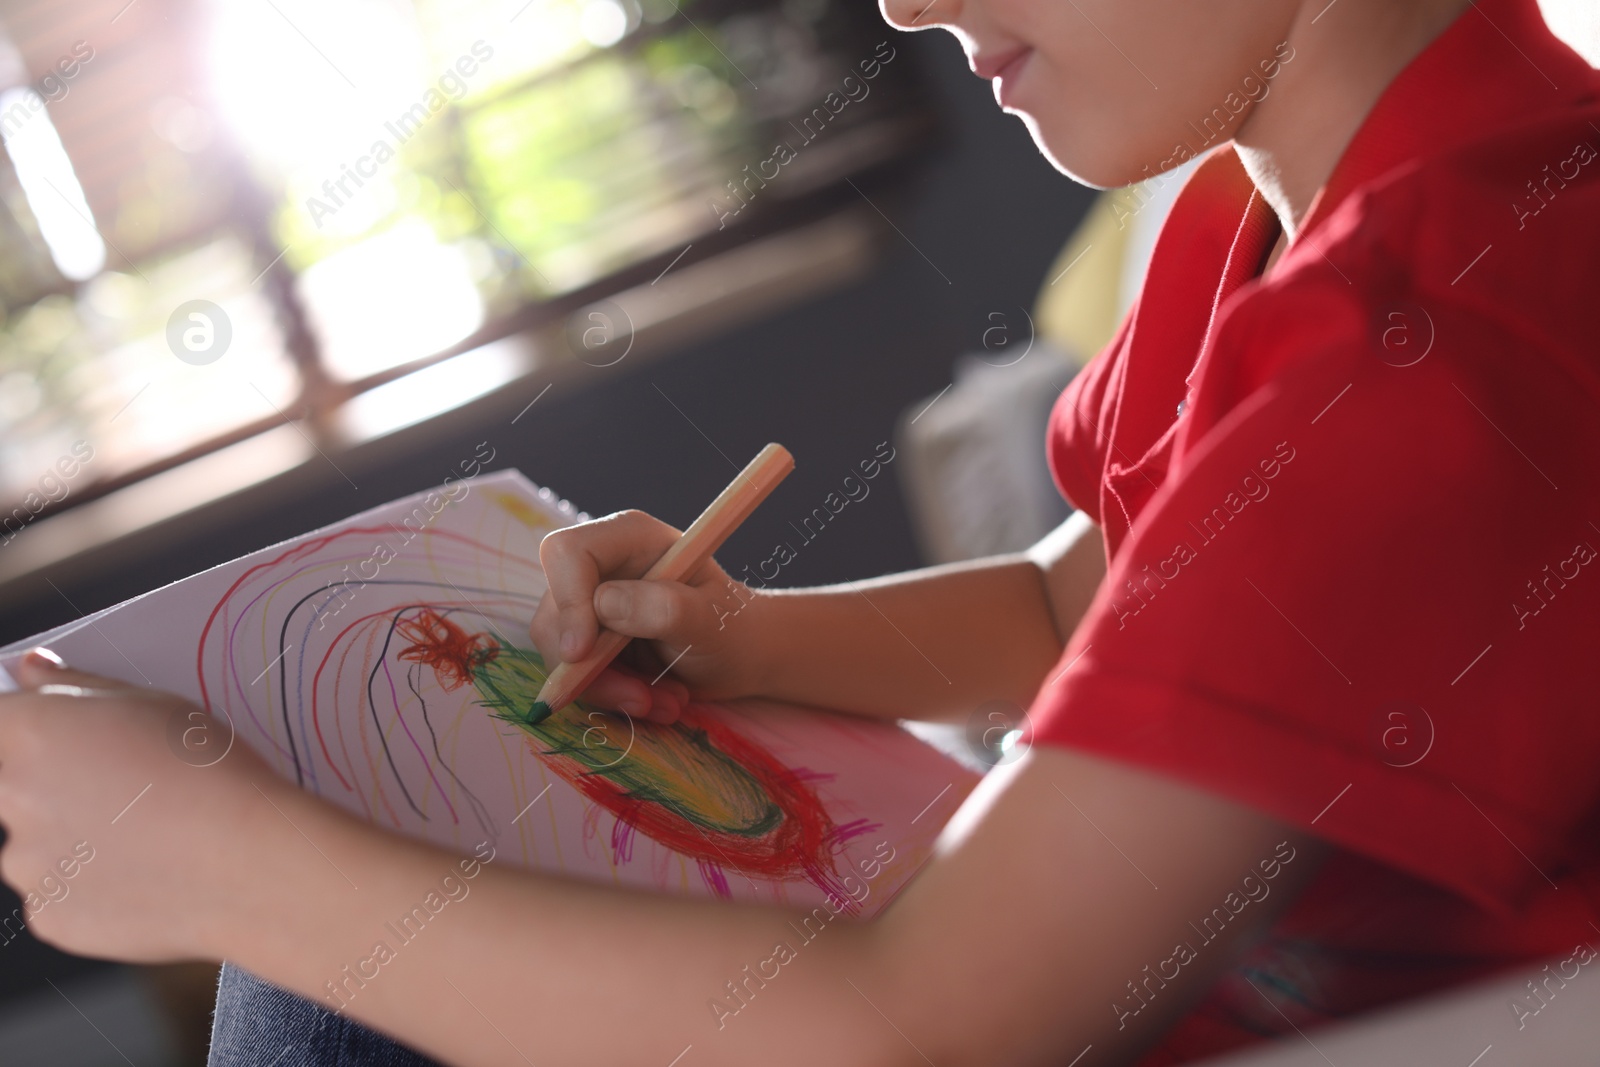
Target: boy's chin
1095, 172
1079, 158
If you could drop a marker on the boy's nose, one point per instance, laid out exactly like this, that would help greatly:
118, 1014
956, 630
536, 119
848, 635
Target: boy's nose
919, 14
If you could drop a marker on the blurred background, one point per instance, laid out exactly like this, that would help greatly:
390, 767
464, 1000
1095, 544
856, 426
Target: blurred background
267, 263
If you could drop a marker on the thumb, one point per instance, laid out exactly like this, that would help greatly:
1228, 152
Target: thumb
42, 667
656, 610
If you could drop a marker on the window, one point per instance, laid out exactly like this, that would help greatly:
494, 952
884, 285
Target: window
346, 192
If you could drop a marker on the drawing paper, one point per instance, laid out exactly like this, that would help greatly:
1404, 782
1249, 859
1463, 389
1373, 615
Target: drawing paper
384, 664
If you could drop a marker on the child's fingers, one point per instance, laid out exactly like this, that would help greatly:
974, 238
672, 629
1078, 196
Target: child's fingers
617, 690
41, 667
666, 611
677, 689
576, 559
667, 694
572, 577
545, 630
666, 708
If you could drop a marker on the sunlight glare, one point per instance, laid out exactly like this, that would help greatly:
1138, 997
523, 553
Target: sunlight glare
604, 22
306, 83
390, 299
51, 186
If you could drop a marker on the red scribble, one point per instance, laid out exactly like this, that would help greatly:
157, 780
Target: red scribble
799, 846
307, 548
439, 643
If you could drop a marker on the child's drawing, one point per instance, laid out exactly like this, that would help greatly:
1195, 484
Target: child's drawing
384, 664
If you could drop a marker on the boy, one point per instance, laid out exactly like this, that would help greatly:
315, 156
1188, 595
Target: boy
1309, 671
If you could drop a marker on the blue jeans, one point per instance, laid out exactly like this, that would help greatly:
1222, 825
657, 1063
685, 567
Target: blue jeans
260, 1025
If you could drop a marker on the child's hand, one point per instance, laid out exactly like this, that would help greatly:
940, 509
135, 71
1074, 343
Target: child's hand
691, 624
118, 846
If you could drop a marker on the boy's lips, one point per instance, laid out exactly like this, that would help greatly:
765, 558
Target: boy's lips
992, 66
1006, 78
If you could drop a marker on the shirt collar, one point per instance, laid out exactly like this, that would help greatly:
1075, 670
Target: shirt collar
1497, 64
1446, 97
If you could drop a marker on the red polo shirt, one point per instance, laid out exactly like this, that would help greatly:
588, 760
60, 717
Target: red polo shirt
1354, 582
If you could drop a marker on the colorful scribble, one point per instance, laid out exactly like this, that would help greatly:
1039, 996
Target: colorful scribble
372, 673
695, 786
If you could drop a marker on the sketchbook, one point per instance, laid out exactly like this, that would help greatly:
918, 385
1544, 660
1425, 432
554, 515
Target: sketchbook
384, 664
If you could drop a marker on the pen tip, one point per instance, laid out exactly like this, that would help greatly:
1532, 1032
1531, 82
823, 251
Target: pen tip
539, 711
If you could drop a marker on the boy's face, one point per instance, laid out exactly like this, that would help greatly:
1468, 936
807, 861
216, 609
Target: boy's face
1111, 87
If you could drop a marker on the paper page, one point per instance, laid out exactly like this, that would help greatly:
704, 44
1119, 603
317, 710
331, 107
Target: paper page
384, 663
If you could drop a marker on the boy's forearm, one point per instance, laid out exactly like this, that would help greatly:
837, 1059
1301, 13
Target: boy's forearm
933, 643
516, 968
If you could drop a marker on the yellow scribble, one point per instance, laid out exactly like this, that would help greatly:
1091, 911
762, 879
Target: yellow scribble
521, 511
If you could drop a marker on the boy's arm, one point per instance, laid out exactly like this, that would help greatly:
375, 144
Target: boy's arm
1054, 916
1054, 919
931, 643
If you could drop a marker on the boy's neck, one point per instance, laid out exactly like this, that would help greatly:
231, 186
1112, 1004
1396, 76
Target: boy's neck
1346, 54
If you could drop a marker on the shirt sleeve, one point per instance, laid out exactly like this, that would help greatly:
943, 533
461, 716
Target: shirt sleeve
1361, 604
